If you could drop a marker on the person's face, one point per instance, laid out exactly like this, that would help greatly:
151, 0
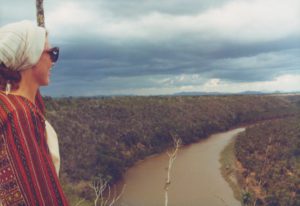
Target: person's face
41, 71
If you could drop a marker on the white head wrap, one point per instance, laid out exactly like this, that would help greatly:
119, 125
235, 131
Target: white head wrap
21, 45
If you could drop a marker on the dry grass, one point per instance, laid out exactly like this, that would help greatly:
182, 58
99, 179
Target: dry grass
229, 168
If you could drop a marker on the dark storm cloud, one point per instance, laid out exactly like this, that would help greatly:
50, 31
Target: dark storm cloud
232, 61
107, 46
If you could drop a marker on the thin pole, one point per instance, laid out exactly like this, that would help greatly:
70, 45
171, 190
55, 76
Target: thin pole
40, 13
40, 17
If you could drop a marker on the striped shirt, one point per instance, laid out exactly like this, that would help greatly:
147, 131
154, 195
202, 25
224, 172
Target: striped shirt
27, 173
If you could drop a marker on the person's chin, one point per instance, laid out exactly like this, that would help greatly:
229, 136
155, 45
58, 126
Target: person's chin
48, 80
46, 83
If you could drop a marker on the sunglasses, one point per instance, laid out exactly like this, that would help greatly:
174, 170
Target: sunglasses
53, 53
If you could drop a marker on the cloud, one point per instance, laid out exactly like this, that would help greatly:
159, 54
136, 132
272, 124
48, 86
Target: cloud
211, 84
255, 20
16, 10
160, 47
260, 67
69, 13
148, 86
250, 21
284, 83
237, 20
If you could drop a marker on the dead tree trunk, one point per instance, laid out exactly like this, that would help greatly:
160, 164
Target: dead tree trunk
172, 157
40, 13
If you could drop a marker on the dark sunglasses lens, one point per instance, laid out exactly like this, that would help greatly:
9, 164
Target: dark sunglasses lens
54, 53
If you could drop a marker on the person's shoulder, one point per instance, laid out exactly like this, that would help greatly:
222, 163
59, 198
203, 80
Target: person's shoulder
13, 106
5, 103
10, 104
5, 107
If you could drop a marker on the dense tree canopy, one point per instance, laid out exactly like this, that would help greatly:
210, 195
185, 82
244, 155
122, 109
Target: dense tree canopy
105, 136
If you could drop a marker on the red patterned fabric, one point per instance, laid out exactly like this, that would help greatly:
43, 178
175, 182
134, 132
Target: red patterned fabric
27, 173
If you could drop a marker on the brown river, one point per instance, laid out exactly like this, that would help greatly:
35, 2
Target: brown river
196, 178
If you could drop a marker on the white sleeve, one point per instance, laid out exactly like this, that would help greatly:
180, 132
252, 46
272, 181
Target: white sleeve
52, 141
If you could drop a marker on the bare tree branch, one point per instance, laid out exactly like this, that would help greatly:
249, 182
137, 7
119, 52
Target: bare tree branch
78, 203
100, 186
117, 197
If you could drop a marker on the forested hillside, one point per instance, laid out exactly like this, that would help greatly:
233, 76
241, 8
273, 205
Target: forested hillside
104, 136
269, 162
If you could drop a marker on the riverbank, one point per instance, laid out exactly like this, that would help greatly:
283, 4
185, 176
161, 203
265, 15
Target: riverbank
229, 168
276, 145
269, 158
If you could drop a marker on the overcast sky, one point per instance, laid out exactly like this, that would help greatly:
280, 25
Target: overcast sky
150, 47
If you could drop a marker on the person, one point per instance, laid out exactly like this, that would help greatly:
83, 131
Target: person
29, 156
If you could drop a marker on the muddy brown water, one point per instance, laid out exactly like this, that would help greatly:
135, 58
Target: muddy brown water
196, 178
